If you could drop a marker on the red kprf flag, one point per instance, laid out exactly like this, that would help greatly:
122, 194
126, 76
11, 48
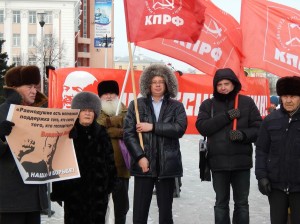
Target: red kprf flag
218, 46
271, 37
170, 19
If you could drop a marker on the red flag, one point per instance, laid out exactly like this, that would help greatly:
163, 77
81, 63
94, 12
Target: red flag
271, 37
170, 19
218, 46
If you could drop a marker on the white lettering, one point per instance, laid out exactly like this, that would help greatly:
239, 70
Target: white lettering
202, 48
163, 19
287, 58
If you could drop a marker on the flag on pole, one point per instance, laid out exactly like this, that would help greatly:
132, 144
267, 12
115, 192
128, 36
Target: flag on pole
170, 19
271, 37
218, 46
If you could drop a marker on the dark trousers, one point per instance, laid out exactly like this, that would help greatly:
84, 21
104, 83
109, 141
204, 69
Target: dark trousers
20, 218
143, 188
240, 182
121, 201
279, 203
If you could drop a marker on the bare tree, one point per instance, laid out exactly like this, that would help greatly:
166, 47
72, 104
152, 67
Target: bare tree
48, 52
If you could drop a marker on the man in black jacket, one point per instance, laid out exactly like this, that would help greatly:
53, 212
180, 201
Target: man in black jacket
19, 202
162, 122
229, 151
277, 165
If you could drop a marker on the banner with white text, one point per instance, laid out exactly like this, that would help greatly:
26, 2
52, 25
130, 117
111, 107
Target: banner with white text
193, 89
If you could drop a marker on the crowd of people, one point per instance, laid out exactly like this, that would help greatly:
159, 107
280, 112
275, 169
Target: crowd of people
151, 127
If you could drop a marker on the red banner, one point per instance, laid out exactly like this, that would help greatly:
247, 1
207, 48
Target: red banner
193, 89
173, 19
271, 34
218, 46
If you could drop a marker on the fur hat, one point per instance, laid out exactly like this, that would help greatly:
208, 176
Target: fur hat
109, 86
22, 75
87, 100
158, 70
289, 85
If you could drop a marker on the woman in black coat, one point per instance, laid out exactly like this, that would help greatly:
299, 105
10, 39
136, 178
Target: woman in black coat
86, 198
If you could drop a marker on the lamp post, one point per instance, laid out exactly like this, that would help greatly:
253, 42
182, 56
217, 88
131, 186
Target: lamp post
108, 40
41, 18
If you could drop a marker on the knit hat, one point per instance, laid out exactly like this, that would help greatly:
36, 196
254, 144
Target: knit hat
22, 75
289, 85
274, 100
158, 70
109, 86
87, 100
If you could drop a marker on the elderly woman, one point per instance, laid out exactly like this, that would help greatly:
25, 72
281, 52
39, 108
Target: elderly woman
86, 198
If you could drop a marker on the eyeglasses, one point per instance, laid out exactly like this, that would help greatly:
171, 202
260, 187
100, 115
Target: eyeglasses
157, 82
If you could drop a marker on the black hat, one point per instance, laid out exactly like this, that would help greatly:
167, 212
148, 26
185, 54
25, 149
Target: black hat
109, 86
87, 100
289, 85
22, 75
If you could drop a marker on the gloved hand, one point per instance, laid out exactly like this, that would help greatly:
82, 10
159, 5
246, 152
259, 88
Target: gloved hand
233, 113
6, 127
236, 136
73, 133
264, 186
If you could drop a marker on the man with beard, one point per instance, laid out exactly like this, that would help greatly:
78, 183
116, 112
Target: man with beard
108, 92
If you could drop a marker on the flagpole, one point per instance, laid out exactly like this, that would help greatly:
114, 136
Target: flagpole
124, 84
137, 115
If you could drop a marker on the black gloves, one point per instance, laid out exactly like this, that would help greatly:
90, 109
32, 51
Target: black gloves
233, 113
73, 133
264, 186
6, 127
236, 136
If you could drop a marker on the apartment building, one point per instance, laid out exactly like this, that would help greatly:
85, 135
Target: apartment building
68, 27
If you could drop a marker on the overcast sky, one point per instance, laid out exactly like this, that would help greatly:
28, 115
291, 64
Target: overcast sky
120, 43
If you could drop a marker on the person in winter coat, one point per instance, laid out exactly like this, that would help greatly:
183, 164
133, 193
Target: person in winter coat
229, 151
108, 92
86, 198
158, 161
277, 164
19, 203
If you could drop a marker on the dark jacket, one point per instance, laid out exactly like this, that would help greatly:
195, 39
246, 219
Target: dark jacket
86, 197
161, 146
223, 154
15, 196
278, 151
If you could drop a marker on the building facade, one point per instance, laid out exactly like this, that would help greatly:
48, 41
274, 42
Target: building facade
65, 39
25, 39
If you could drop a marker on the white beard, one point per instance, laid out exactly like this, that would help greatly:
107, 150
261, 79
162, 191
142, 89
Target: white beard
110, 107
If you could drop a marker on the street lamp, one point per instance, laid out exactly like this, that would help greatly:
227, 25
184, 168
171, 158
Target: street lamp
41, 18
108, 42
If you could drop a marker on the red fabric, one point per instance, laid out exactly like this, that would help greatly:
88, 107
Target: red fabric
172, 19
193, 89
236, 105
271, 35
218, 46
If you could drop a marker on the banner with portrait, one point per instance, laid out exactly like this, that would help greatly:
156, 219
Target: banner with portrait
40, 143
65, 83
